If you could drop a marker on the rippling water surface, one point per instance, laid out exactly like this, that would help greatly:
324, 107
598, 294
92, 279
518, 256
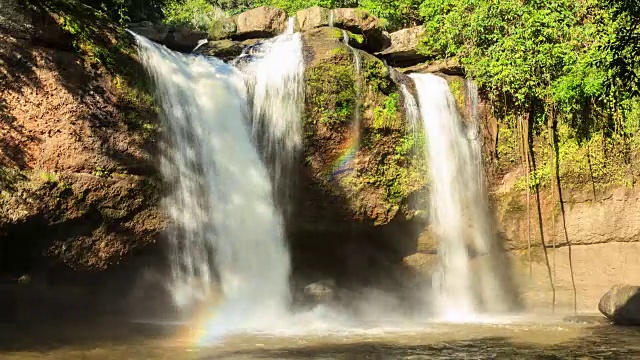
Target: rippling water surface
544, 338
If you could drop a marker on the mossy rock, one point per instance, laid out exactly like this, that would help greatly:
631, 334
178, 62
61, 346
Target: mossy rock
356, 135
222, 29
224, 49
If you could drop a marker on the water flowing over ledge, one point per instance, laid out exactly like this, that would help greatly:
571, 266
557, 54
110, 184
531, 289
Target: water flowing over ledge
227, 241
470, 277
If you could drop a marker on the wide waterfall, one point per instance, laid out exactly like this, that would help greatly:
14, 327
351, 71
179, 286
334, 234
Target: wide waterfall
471, 276
227, 238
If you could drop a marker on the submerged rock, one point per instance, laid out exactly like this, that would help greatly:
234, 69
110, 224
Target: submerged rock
621, 304
264, 21
586, 319
223, 49
320, 292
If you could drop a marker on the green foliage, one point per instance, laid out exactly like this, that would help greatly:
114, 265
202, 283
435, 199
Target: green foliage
576, 62
396, 13
198, 14
292, 6
526, 55
387, 116
376, 75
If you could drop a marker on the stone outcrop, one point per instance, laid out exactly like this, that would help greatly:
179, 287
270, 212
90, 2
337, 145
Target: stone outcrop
621, 304
360, 21
311, 18
449, 67
78, 188
177, 38
614, 216
264, 21
352, 207
403, 51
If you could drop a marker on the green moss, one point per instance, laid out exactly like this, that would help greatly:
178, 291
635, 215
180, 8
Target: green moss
222, 28
331, 91
49, 177
336, 34
340, 51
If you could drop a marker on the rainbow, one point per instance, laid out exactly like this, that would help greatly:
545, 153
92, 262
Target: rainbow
342, 163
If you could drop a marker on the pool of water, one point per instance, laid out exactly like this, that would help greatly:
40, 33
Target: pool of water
541, 338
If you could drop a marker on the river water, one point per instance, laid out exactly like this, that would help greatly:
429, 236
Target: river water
546, 338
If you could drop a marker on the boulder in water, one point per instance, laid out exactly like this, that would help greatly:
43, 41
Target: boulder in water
223, 49
264, 21
320, 292
403, 50
621, 304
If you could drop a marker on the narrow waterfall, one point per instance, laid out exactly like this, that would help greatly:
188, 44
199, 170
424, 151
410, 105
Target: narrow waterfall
411, 111
274, 72
470, 277
357, 64
227, 238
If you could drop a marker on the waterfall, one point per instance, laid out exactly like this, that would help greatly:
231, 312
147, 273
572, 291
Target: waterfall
227, 236
357, 64
411, 111
274, 73
470, 277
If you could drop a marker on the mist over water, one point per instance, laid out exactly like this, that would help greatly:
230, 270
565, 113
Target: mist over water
470, 277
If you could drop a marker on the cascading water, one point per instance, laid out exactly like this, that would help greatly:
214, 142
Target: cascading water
470, 277
274, 72
227, 230
411, 111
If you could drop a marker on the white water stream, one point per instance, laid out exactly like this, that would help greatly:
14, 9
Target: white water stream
274, 75
227, 238
469, 278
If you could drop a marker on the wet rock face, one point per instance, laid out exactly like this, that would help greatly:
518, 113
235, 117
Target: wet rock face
621, 304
